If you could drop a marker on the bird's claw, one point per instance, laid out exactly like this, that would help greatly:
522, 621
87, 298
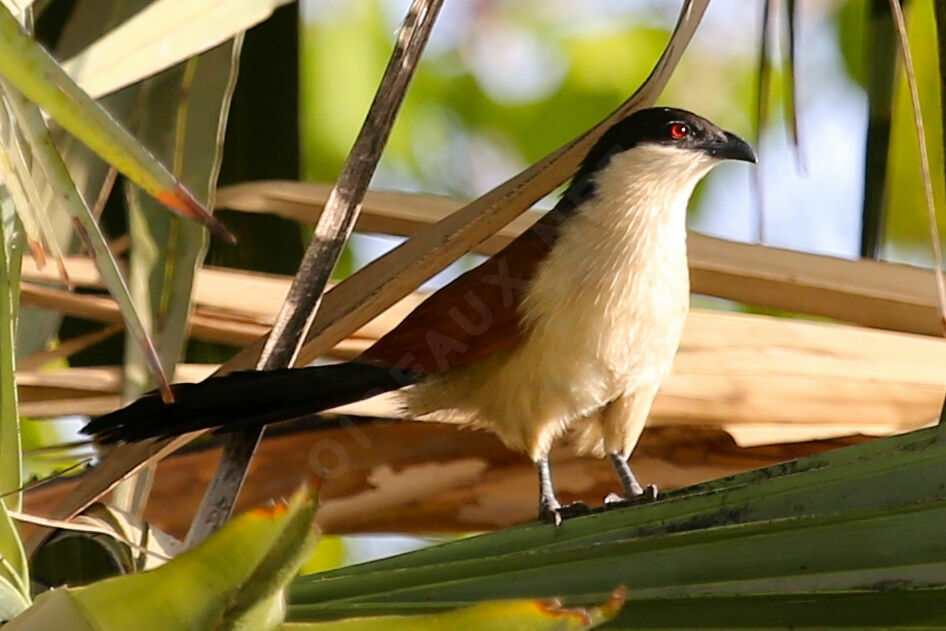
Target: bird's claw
575, 509
550, 511
648, 494
556, 513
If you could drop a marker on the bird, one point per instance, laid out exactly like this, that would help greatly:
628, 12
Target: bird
569, 329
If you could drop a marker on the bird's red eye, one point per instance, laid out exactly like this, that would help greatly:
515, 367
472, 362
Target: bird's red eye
678, 130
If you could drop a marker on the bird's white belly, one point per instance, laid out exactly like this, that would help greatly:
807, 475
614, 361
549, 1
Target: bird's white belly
603, 317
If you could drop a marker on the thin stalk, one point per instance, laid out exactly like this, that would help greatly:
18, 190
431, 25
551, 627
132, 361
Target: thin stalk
939, 9
881, 58
793, 115
762, 112
904, 42
330, 235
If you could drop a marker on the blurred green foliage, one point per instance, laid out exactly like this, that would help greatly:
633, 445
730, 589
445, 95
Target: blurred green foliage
455, 115
907, 222
458, 135
906, 205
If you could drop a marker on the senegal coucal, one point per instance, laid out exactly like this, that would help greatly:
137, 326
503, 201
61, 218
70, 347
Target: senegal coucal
570, 328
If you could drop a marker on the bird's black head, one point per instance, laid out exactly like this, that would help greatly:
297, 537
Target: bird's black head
664, 127
676, 128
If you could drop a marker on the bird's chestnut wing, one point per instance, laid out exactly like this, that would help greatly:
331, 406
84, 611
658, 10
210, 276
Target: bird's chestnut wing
475, 315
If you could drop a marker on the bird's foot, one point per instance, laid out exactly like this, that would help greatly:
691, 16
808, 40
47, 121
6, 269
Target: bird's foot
554, 513
550, 510
613, 500
575, 509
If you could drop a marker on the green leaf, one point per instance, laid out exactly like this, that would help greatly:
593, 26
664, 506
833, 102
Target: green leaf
20, 186
851, 19
34, 130
14, 575
187, 133
891, 471
331, 554
861, 520
889, 608
163, 34
835, 552
36, 74
54, 609
512, 615
906, 205
13, 598
88, 171
886, 607
11, 250
234, 580
14, 571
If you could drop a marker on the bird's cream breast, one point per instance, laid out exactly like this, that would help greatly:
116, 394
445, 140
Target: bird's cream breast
606, 309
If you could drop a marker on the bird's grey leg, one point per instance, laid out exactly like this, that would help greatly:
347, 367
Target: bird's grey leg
549, 506
632, 488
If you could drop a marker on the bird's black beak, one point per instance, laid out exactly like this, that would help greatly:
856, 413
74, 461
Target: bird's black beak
730, 147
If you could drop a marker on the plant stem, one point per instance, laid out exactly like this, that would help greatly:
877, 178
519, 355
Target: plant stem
331, 233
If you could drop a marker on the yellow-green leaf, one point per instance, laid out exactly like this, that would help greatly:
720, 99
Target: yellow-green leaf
163, 34
234, 580
511, 615
37, 75
31, 123
14, 576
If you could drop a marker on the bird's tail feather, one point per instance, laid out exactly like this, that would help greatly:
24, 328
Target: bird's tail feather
243, 399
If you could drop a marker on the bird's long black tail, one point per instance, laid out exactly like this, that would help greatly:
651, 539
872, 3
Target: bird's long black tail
244, 399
